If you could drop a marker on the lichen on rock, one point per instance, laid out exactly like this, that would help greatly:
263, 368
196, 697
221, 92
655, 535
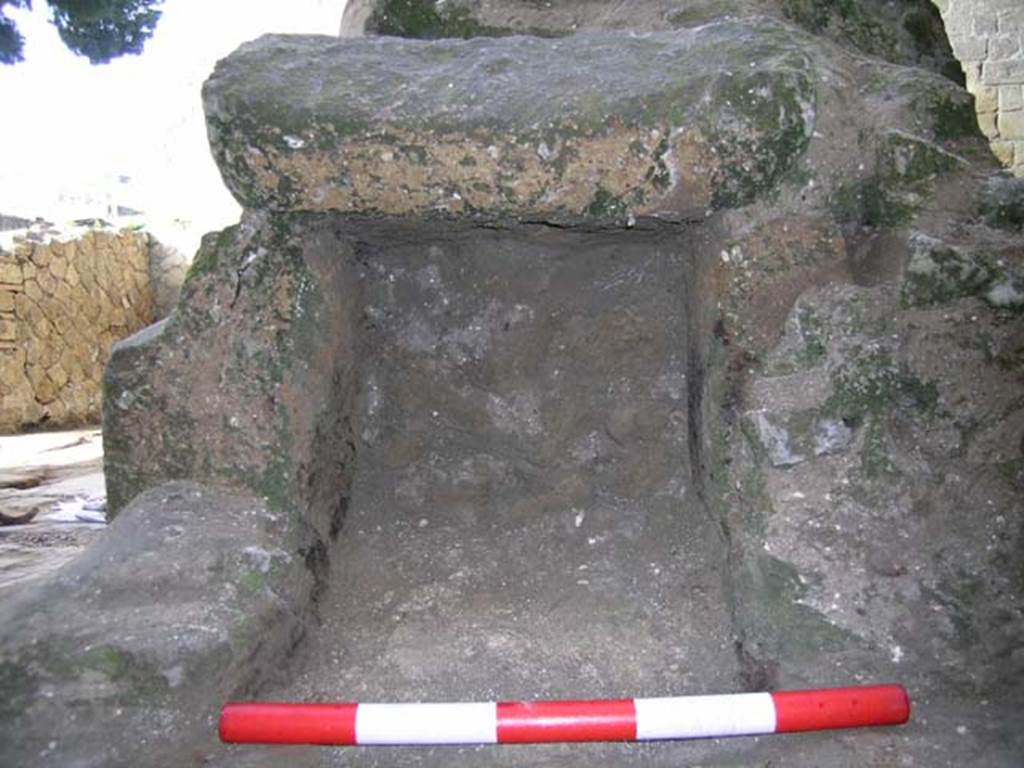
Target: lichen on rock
589, 128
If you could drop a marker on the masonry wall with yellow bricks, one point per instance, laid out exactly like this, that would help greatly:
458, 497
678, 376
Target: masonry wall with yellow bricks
63, 304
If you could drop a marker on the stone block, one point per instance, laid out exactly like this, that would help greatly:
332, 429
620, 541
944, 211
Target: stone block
63, 294
678, 145
58, 376
7, 301
58, 266
1004, 152
987, 123
985, 23
1011, 125
970, 48
22, 305
87, 276
34, 314
999, 72
957, 16
77, 373
12, 374
47, 283
41, 327
972, 75
986, 98
33, 291
1012, 19
48, 354
92, 311
31, 348
10, 272
1011, 98
1003, 46
41, 255
8, 328
61, 321
41, 385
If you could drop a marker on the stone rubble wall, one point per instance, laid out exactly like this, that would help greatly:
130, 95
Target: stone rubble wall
64, 301
988, 39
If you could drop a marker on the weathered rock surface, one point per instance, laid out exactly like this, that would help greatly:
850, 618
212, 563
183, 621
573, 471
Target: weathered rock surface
907, 32
592, 127
242, 368
195, 595
767, 436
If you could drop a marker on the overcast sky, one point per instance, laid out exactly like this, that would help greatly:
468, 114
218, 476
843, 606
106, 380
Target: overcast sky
70, 127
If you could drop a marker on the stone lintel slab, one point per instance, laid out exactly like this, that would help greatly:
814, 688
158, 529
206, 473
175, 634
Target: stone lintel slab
597, 128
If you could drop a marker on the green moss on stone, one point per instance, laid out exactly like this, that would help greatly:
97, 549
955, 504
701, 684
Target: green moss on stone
659, 174
846, 21
428, 20
870, 381
906, 166
1003, 204
779, 603
605, 205
1011, 360
251, 581
768, 114
690, 17
811, 332
20, 687
954, 118
867, 202
287, 190
875, 454
441, 55
910, 160
207, 260
924, 29
941, 274
108, 660
1012, 471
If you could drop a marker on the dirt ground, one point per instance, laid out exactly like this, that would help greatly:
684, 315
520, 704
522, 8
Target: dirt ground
55, 481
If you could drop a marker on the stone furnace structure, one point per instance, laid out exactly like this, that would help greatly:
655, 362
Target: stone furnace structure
566, 349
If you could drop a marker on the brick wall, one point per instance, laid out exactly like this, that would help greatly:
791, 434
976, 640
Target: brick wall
988, 39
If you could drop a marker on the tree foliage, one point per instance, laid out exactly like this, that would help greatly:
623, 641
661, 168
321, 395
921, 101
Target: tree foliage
100, 30
11, 41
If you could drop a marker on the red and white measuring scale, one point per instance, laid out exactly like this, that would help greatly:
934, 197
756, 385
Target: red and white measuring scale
683, 717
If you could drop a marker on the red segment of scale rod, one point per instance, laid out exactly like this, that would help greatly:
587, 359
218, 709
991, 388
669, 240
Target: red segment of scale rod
642, 719
856, 707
